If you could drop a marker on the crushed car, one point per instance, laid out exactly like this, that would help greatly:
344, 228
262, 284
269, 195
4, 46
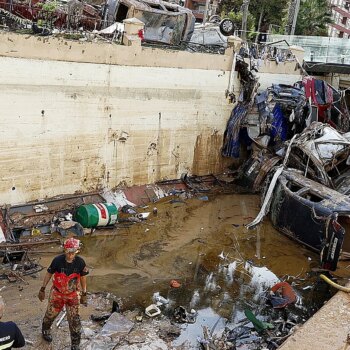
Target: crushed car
322, 154
69, 15
282, 111
165, 22
312, 214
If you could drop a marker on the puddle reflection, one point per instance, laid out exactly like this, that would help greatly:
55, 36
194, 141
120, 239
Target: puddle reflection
222, 267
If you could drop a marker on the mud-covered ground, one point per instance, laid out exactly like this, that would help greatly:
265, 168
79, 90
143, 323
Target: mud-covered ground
222, 267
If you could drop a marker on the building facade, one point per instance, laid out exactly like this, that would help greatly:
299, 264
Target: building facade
198, 8
341, 16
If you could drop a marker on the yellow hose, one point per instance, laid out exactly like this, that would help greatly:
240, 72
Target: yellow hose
335, 285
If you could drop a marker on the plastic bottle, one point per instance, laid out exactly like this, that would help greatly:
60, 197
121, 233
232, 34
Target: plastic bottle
159, 299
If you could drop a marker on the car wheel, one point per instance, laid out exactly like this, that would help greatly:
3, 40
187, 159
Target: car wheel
227, 27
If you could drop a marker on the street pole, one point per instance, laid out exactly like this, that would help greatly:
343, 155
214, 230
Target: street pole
245, 7
206, 11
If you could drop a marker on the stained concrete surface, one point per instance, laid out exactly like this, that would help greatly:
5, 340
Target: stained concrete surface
328, 329
223, 268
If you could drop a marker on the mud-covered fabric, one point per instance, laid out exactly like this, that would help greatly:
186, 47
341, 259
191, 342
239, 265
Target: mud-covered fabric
55, 304
10, 336
66, 276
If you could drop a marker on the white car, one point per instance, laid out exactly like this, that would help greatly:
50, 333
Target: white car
213, 35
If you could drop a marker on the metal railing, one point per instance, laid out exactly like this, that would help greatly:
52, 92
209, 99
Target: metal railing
318, 49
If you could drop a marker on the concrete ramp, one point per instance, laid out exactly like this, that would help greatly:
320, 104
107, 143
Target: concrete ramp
328, 329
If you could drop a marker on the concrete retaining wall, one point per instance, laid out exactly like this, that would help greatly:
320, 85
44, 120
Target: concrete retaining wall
79, 116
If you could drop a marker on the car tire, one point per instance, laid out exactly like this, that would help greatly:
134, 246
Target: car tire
227, 27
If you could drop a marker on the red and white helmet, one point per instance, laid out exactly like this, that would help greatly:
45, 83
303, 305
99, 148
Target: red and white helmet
71, 245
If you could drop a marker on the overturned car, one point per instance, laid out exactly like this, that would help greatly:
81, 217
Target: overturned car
312, 214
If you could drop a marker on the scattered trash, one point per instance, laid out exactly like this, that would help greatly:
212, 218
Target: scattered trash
152, 310
128, 209
143, 216
40, 208
222, 256
159, 300
307, 288
64, 228
139, 318
174, 284
182, 316
99, 318
281, 295
258, 325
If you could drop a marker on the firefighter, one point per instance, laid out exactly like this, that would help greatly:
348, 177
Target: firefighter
69, 289
10, 334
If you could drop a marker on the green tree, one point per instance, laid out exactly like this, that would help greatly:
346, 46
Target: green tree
236, 17
269, 14
263, 14
313, 18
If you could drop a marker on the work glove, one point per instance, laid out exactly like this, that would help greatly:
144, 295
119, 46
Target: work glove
41, 294
83, 298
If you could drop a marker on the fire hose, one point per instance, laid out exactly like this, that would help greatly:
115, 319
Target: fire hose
335, 285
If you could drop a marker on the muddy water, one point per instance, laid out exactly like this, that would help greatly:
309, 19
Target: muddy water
223, 268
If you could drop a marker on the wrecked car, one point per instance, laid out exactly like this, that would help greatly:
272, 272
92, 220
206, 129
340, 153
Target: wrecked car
322, 154
164, 22
253, 172
285, 110
212, 35
71, 14
312, 214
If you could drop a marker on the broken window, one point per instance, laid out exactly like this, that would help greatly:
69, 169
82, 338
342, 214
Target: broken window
312, 197
301, 161
171, 9
294, 187
155, 6
121, 13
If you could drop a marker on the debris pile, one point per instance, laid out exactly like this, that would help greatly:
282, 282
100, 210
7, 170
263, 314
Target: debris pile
293, 136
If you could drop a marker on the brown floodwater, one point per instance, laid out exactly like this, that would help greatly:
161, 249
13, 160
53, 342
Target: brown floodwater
222, 267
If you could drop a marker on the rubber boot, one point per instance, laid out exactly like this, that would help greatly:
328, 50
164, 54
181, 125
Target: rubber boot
47, 336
